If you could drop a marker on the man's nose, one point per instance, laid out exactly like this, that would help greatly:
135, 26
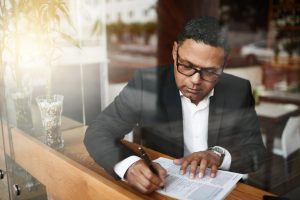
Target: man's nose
196, 78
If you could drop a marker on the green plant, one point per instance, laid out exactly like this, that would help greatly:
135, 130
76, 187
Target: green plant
30, 31
135, 29
255, 95
149, 28
289, 47
117, 28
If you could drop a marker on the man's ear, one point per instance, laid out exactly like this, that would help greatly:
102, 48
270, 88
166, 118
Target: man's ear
174, 50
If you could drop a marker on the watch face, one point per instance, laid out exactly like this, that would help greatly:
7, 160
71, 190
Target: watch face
221, 151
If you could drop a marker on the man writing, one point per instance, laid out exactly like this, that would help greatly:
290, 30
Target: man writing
190, 110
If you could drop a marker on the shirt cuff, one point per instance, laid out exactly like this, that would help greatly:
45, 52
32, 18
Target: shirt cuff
121, 167
226, 161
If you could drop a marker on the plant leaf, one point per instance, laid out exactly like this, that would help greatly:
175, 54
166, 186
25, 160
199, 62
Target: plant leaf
97, 27
63, 8
70, 39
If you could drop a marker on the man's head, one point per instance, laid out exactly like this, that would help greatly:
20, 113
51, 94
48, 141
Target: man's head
199, 56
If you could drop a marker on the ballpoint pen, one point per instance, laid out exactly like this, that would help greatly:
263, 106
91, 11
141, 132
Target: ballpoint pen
147, 160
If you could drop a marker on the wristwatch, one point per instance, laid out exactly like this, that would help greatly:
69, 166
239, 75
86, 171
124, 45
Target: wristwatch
219, 151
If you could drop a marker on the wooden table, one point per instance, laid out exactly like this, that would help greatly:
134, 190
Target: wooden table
72, 174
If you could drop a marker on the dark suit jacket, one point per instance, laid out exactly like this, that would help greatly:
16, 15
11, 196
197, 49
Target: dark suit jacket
151, 101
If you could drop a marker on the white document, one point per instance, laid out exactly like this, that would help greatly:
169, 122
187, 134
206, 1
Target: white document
207, 188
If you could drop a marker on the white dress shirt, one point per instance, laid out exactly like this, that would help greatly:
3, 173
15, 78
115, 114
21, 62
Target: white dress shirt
195, 133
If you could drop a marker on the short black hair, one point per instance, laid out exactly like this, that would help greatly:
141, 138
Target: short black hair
207, 30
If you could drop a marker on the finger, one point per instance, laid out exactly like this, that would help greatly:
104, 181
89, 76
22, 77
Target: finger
202, 168
151, 177
149, 188
213, 172
183, 167
136, 178
193, 168
178, 161
141, 188
144, 184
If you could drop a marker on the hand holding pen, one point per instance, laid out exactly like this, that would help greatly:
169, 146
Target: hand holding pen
145, 175
148, 162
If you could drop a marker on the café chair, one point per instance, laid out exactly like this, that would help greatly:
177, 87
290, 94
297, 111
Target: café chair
288, 144
290, 139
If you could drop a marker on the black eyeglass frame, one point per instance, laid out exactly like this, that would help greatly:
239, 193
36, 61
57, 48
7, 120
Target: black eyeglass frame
200, 71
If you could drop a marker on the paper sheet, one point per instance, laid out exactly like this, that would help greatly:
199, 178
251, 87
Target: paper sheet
182, 187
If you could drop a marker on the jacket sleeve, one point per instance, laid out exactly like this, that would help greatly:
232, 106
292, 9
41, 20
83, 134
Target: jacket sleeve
102, 138
248, 151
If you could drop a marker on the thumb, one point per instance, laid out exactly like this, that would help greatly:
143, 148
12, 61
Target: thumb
178, 161
161, 171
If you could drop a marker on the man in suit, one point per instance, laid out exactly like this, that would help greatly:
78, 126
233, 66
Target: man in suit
190, 110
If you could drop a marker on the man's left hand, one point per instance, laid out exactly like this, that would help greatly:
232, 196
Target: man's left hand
201, 160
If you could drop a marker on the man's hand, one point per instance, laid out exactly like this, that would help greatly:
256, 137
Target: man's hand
201, 160
143, 179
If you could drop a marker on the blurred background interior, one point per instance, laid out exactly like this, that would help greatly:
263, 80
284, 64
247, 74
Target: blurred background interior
115, 37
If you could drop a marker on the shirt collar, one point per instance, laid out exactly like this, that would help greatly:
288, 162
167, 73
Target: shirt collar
204, 103
210, 94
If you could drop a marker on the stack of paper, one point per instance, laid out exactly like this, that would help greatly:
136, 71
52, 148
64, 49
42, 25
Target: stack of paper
182, 187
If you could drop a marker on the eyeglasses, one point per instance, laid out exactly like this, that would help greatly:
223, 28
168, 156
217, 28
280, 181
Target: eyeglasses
206, 74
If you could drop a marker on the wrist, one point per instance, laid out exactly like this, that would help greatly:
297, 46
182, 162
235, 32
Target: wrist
218, 151
122, 167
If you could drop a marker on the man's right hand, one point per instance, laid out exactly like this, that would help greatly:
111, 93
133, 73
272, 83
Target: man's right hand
140, 177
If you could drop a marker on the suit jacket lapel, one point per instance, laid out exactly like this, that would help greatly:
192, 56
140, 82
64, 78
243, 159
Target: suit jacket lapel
215, 116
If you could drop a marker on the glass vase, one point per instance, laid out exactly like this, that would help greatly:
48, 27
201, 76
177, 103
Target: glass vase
22, 103
51, 110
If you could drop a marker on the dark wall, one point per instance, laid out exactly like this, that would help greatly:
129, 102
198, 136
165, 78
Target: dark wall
172, 15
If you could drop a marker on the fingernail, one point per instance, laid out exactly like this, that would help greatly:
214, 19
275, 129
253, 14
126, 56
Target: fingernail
213, 175
181, 172
191, 175
200, 175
